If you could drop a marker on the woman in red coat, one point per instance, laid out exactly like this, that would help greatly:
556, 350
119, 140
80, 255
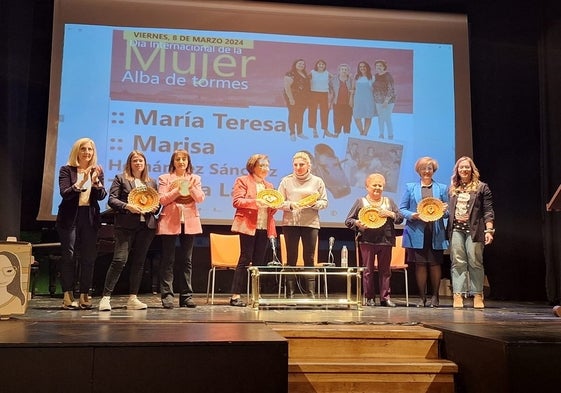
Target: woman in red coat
253, 221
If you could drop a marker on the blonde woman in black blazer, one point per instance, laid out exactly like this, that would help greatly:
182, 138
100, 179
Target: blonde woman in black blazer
78, 220
470, 229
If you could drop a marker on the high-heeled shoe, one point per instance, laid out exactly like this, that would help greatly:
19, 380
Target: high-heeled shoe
327, 133
315, 133
422, 302
434, 301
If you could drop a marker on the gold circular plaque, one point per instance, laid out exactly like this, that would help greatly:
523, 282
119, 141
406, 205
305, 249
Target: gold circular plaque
370, 217
309, 200
430, 209
145, 198
271, 198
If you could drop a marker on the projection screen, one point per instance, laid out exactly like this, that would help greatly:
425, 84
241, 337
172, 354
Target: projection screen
208, 77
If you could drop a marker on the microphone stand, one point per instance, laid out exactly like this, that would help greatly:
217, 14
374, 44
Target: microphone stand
330, 257
275, 261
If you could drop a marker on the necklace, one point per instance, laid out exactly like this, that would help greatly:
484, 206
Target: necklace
374, 202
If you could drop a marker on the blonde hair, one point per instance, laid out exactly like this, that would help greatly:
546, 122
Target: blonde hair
75, 151
373, 176
424, 161
304, 156
456, 182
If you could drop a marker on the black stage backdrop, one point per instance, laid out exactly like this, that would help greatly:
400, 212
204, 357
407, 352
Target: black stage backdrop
515, 88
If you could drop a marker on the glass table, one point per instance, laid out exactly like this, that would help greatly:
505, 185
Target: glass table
321, 272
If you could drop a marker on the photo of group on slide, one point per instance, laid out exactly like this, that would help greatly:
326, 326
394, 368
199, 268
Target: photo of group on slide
361, 97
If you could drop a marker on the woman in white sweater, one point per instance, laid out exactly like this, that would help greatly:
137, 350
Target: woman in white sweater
305, 195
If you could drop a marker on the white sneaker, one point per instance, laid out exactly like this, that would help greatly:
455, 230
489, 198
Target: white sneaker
134, 304
104, 303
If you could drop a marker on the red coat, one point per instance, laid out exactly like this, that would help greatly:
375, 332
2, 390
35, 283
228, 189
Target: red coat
244, 193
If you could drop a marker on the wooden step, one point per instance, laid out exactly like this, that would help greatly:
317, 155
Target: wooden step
381, 365
369, 341
365, 358
370, 383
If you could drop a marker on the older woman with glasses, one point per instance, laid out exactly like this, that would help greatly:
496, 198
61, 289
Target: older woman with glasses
253, 221
425, 240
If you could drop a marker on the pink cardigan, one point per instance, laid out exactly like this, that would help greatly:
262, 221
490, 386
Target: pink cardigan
169, 222
244, 193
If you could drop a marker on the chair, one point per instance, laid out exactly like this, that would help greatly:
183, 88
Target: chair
224, 255
300, 262
398, 264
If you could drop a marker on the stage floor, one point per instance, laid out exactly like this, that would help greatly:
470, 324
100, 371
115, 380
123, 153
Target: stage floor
499, 349
512, 315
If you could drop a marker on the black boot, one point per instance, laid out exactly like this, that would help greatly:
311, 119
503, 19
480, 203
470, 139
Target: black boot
290, 286
311, 287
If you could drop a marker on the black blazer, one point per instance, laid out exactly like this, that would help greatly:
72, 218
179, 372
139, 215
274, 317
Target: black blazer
118, 198
480, 212
68, 208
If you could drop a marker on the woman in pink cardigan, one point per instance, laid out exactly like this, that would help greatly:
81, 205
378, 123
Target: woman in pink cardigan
180, 191
253, 221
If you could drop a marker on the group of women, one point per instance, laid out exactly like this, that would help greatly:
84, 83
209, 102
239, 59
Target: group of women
466, 205
174, 216
360, 97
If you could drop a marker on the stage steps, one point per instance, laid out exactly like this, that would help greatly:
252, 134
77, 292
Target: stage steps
346, 358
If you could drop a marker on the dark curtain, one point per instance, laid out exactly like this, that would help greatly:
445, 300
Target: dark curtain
26, 27
14, 86
550, 83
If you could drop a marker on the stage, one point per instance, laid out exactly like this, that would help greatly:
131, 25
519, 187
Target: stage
507, 347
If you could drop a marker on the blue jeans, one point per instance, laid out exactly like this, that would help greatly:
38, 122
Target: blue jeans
467, 257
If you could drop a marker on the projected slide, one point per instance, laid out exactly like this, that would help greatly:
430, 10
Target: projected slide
221, 96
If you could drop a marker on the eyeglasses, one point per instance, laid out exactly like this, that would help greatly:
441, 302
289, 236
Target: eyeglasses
8, 270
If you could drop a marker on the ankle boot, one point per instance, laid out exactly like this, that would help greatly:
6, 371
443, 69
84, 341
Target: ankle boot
311, 288
68, 302
478, 301
290, 287
458, 301
85, 301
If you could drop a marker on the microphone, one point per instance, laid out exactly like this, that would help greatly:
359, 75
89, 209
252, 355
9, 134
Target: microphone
275, 261
331, 243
